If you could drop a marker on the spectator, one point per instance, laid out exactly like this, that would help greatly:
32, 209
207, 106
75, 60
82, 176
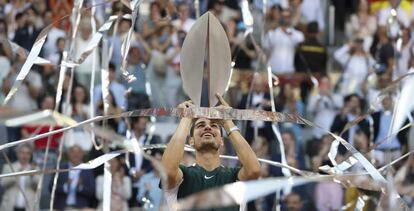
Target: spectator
259, 99
117, 89
150, 25
281, 44
120, 187
404, 181
117, 39
312, 11
174, 93
26, 32
139, 165
392, 146
404, 54
311, 54
78, 109
161, 41
385, 18
56, 56
293, 150
183, 22
272, 18
356, 64
323, 107
288, 103
383, 51
75, 189
350, 112
328, 196
85, 70
29, 91
293, 202
363, 24
149, 193
13, 198
216, 7
138, 59
115, 124
46, 103
243, 49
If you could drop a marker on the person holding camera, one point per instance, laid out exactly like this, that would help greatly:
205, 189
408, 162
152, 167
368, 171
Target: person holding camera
356, 63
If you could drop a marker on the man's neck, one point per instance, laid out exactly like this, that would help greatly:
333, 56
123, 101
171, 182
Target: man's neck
138, 134
209, 161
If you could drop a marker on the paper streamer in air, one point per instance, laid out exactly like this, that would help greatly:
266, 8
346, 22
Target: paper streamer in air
37, 46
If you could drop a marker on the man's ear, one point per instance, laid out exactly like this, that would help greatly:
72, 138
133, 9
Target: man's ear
191, 141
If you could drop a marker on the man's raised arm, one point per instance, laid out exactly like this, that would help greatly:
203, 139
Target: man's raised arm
250, 164
175, 150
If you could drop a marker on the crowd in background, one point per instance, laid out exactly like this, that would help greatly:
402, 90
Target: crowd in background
372, 47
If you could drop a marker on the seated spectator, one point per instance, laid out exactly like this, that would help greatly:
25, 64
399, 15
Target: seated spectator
404, 181
78, 109
40, 145
183, 22
115, 124
149, 193
120, 187
259, 99
75, 189
323, 107
288, 102
351, 111
293, 202
13, 198
328, 196
394, 145
115, 87
85, 70
138, 165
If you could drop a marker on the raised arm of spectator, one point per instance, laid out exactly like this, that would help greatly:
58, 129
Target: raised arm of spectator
147, 49
174, 152
342, 55
250, 164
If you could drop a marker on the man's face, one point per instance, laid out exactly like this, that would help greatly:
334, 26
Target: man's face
140, 125
387, 103
354, 103
75, 155
48, 103
206, 135
293, 203
23, 155
183, 11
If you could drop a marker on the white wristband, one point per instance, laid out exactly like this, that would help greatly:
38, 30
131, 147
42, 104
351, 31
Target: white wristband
232, 130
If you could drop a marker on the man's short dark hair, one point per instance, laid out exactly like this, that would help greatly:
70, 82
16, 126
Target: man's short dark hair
312, 27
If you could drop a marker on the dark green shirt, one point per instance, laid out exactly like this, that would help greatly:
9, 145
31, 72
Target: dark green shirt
196, 179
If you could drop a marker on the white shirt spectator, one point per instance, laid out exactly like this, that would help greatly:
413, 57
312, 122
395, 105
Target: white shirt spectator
385, 13
22, 100
281, 45
50, 44
403, 59
186, 26
312, 11
356, 69
323, 110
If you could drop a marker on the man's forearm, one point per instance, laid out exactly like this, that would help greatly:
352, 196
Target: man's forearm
175, 149
243, 150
